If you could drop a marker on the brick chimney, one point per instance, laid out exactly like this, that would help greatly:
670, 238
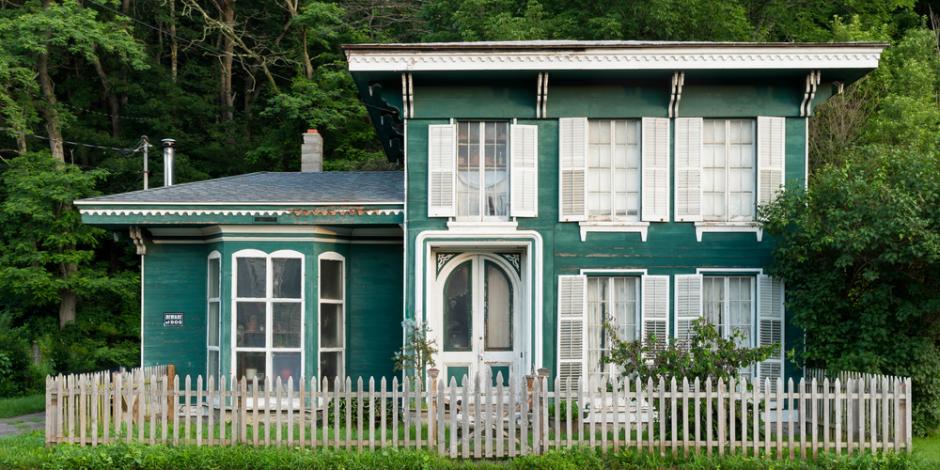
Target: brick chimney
311, 152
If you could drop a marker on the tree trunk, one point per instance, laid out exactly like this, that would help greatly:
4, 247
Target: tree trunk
51, 115
21, 146
228, 54
174, 47
68, 299
308, 64
114, 105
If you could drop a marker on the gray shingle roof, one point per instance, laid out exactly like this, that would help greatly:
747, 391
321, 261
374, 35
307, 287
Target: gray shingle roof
340, 187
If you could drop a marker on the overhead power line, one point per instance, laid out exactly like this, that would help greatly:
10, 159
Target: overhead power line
124, 150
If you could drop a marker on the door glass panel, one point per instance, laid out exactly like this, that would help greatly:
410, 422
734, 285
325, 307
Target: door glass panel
458, 305
498, 309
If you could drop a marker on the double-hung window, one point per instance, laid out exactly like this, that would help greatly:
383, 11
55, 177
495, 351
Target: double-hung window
728, 175
483, 170
612, 301
213, 312
332, 297
613, 170
268, 320
728, 303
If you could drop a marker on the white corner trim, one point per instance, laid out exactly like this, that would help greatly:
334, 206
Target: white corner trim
636, 58
626, 227
484, 227
702, 227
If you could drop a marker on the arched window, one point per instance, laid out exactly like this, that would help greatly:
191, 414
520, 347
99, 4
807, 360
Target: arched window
332, 315
267, 320
213, 313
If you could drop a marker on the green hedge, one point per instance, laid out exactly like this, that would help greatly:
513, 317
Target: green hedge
28, 452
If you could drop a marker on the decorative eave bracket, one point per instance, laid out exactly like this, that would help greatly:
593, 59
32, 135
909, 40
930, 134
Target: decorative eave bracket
812, 82
678, 79
541, 96
407, 95
137, 236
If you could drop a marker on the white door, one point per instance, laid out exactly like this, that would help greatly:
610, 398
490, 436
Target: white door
477, 323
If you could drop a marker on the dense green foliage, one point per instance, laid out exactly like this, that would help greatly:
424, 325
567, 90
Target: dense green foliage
22, 405
28, 452
236, 84
860, 251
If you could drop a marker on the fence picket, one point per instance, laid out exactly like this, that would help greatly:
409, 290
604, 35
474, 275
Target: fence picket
465, 419
698, 412
210, 417
82, 423
708, 416
420, 394
452, 396
439, 411
780, 401
732, 402
826, 396
792, 402
347, 396
384, 396
685, 417
884, 414
499, 415
315, 409
755, 430
371, 413
524, 421
359, 423
873, 413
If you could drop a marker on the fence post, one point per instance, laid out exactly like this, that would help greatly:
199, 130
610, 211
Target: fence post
432, 406
543, 412
171, 400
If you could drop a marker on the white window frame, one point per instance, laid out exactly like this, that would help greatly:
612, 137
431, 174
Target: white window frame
215, 254
727, 194
332, 256
726, 302
612, 217
610, 369
482, 172
268, 301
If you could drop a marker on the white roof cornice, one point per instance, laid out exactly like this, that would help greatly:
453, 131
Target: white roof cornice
740, 57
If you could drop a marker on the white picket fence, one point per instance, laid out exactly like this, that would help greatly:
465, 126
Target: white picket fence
478, 418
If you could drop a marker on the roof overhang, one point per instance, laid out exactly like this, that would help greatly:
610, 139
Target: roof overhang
609, 55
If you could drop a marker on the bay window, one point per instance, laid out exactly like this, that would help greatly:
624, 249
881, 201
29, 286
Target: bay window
268, 315
613, 170
483, 169
728, 176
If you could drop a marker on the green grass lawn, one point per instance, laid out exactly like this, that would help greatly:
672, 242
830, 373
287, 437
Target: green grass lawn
10, 407
927, 450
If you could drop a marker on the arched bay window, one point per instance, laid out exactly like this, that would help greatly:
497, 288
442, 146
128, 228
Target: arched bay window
267, 320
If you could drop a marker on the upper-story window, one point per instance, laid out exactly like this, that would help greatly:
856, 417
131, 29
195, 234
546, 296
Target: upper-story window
482, 169
613, 165
728, 177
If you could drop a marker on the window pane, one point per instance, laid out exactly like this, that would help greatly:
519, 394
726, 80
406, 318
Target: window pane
739, 300
212, 324
497, 169
330, 365
214, 278
250, 322
331, 325
251, 277
250, 364
713, 300
331, 279
597, 315
457, 309
599, 168
468, 168
498, 308
624, 307
213, 368
287, 365
286, 282
287, 330
713, 169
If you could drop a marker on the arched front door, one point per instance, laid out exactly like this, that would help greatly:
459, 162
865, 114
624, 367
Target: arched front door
476, 323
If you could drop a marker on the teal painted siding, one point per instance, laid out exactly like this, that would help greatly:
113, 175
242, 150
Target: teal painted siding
374, 332
175, 281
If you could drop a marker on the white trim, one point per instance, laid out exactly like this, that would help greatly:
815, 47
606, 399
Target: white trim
332, 256
601, 226
143, 282
482, 227
277, 239
647, 57
678, 79
532, 275
806, 153
703, 227
302, 229
86, 202
603, 272
235, 212
729, 270
268, 301
214, 254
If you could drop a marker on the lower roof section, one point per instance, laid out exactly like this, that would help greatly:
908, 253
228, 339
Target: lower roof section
117, 216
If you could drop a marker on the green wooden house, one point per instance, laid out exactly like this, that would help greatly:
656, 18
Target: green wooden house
548, 187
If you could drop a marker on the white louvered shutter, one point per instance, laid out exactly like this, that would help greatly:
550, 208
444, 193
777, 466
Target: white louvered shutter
688, 170
523, 159
442, 170
771, 157
572, 155
655, 164
688, 304
572, 313
770, 317
654, 309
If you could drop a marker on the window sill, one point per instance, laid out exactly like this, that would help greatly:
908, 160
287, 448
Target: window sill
477, 226
635, 227
754, 227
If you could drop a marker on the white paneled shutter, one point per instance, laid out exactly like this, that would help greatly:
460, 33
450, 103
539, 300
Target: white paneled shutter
654, 310
688, 170
771, 157
524, 191
688, 305
655, 164
572, 314
770, 317
572, 156
442, 170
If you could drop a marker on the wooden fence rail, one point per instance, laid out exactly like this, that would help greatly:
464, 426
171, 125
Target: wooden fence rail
485, 416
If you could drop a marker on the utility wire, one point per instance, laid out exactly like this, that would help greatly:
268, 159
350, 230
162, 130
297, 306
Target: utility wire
124, 150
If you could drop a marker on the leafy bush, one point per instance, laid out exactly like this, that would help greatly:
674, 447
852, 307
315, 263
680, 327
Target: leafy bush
16, 368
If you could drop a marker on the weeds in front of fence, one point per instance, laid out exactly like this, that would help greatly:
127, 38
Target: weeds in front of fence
29, 452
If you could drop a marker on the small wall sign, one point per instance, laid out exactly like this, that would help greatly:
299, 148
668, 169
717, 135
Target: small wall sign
172, 319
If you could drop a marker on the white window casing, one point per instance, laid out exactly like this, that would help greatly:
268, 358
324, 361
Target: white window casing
688, 172
771, 158
214, 302
572, 313
688, 304
338, 303
654, 309
770, 319
572, 157
523, 160
442, 161
654, 149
